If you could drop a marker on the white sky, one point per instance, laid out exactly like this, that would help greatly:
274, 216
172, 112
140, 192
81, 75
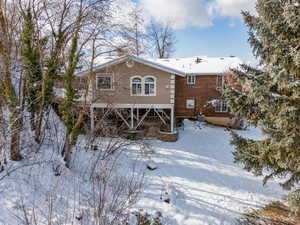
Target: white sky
196, 13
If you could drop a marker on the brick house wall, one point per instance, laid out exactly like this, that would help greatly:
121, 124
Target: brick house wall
203, 91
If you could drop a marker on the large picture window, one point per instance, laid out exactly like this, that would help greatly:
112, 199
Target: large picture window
104, 82
143, 86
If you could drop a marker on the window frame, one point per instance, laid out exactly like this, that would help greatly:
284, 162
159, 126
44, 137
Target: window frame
191, 82
131, 84
194, 103
218, 87
110, 75
221, 104
143, 85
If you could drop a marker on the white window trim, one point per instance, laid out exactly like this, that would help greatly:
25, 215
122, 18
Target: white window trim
143, 85
143, 82
131, 82
111, 75
194, 104
194, 79
221, 111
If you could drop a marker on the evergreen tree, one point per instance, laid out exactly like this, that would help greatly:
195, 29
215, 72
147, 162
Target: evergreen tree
271, 98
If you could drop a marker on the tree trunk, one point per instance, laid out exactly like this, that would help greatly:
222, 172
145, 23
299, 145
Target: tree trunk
15, 148
2, 139
67, 150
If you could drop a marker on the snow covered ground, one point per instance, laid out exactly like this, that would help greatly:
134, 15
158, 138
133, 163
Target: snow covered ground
195, 183
202, 182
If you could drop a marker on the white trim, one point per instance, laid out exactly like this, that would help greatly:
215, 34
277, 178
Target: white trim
131, 82
192, 103
139, 60
143, 84
111, 75
172, 119
135, 106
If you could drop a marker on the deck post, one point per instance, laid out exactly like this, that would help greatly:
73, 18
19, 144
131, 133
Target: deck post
92, 119
131, 118
172, 119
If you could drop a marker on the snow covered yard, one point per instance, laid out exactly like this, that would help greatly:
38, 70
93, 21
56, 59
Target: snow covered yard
195, 183
199, 177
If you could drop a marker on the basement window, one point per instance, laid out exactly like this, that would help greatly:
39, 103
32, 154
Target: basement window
190, 103
191, 79
221, 106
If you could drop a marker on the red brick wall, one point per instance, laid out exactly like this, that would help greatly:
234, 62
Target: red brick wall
203, 91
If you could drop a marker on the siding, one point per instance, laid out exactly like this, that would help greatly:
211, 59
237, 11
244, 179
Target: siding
121, 79
203, 91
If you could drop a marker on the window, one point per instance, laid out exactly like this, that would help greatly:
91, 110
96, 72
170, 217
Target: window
220, 82
104, 82
136, 86
82, 81
143, 86
221, 106
191, 79
190, 103
149, 86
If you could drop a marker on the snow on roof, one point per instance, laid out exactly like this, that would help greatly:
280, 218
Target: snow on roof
198, 65
201, 64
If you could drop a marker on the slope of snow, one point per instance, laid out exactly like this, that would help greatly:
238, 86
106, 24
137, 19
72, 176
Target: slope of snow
195, 183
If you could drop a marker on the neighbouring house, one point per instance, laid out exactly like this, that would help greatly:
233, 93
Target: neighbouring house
136, 90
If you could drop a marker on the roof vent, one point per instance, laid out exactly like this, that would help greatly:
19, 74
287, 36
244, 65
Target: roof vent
222, 58
198, 60
232, 56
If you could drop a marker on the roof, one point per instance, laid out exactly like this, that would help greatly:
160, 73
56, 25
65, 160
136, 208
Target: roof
198, 65
201, 65
108, 61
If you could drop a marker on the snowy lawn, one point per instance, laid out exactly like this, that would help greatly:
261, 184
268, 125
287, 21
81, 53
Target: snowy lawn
195, 183
199, 177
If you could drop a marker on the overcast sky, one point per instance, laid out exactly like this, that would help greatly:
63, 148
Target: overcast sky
205, 27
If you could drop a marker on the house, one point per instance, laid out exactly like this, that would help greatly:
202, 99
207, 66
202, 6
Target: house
135, 89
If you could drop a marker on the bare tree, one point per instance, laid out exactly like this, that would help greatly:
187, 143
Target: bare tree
134, 33
162, 39
10, 75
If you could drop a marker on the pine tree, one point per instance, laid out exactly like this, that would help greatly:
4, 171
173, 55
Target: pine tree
272, 96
